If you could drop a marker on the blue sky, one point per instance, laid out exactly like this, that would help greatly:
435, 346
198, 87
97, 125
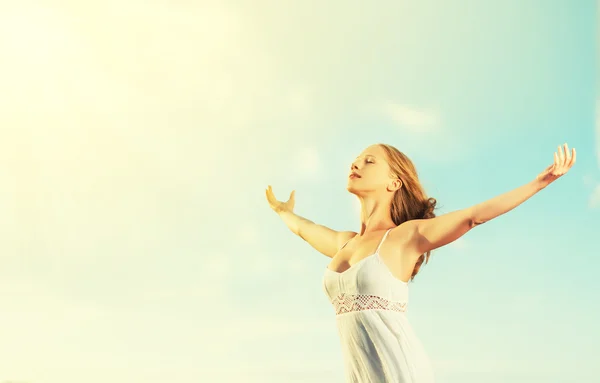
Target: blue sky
138, 139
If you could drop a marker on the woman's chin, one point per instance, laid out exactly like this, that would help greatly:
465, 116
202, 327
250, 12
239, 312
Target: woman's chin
351, 189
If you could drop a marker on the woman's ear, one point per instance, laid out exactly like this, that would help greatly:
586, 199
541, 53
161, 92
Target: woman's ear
396, 184
399, 183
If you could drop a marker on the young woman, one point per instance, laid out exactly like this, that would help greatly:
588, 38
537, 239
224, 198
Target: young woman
368, 275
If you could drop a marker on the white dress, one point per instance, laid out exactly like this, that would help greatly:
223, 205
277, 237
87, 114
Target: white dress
378, 343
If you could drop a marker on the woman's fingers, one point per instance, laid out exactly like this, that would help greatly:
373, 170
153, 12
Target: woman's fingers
573, 157
569, 158
561, 156
270, 196
273, 202
563, 159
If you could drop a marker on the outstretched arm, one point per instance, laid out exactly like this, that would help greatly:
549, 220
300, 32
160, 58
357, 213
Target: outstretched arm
432, 233
323, 239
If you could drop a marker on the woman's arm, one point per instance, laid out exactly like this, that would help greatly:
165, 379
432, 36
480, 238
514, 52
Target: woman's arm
321, 238
432, 233
492, 208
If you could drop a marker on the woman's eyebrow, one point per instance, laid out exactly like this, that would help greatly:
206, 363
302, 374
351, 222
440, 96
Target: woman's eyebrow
368, 155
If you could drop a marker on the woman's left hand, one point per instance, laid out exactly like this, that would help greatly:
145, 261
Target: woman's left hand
563, 161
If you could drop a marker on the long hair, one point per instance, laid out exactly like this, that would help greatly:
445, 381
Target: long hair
410, 201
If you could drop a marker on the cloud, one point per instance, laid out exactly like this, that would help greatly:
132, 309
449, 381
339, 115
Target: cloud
300, 99
420, 131
104, 128
594, 201
126, 125
356, 207
598, 131
34, 321
460, 244
263, 327
248, 234
416, 120
588, 180
298, 266
307, 162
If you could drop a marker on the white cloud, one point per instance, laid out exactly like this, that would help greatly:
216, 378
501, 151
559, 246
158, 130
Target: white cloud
298, 266
598, 131
218, 266
124, 126
106, 127
307, 162
419, 131
263, 327
415, 120
356, 206
261, 263
248, 234
588, 180
35, 321
300, 99
460, 244
594, 201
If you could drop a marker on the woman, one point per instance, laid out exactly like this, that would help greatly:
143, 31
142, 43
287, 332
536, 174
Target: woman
367, 278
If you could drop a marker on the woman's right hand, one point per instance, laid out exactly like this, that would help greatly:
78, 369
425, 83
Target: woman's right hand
279, 206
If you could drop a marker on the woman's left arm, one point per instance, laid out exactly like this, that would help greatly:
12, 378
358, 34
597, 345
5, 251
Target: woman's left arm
435, 232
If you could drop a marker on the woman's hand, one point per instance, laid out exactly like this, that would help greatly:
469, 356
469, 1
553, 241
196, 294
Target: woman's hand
563, 161
279, 206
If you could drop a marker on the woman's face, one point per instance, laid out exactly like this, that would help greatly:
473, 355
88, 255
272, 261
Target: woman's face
369, 172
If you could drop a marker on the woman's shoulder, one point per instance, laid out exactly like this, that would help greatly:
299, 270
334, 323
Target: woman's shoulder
404, 234
405, 229
345, 236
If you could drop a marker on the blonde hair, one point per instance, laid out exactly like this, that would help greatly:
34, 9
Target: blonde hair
410, 201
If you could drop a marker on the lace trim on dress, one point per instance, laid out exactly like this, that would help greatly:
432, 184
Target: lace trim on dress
345, 303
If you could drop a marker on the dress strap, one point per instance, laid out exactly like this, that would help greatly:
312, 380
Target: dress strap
382, 239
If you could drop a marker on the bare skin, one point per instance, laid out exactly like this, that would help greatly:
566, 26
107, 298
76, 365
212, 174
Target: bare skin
406, 242
375, 190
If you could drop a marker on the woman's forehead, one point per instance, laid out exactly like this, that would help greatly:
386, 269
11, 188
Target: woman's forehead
372, 151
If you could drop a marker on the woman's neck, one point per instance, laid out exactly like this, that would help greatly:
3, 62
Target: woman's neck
374, 215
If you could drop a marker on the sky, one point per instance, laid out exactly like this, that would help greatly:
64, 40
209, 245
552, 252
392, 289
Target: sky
137, 139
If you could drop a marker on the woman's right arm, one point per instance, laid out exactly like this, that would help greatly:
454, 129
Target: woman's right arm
321, 238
